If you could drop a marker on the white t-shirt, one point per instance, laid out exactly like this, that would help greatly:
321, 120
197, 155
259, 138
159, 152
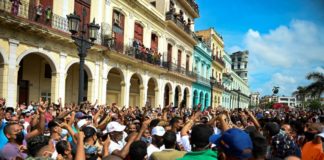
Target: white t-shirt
115, 146
151, 148
186, 143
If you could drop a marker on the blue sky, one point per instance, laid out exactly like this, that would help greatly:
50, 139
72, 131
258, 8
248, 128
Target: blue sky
285, 38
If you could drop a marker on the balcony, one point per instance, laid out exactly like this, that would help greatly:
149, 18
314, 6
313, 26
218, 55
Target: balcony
219, 85
44, 17
203, 80
219, 61
178, 23
178, 69
191, 6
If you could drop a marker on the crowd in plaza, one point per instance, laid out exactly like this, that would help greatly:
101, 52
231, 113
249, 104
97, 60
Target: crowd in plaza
90, 131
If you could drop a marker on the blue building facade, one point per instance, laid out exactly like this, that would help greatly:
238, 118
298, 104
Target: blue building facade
202, 65
227, 81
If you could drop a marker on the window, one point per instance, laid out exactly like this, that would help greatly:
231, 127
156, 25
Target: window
239, 59
48, 71
245, 66
238, 66
138, 32
116, 19
179, 58
232, 66
46, 96
154, 42
187, 62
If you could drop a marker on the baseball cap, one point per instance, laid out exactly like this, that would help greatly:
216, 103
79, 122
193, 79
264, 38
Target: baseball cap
81, 123
237, 143
215, 138
79, 115
115, 126
158, 131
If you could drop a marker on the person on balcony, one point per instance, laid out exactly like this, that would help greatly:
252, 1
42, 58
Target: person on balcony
48, 14
15, 6
39, 12
136, 48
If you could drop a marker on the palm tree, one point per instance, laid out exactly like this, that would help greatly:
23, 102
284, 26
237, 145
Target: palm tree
316, 88
301, 94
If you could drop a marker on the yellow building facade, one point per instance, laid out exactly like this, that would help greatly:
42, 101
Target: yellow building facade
216, 44
143, 53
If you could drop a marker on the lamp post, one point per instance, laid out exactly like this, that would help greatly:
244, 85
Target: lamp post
212, 82
82, 42
238, 99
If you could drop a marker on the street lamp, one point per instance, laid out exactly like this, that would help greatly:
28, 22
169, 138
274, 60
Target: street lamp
82, 42
238, 99
212, 82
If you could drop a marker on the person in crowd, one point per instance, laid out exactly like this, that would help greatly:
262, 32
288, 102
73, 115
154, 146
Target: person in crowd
157, 140
313, 148
137, 151
169, 153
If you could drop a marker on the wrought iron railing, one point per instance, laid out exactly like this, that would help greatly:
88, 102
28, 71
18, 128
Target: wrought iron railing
203, 80
181, 24
194, 5
35, 14
219, 60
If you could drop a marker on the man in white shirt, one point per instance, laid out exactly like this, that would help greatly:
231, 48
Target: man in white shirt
115, 131
157, 140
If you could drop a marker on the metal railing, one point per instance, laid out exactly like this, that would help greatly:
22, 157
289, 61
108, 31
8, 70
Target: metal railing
181, 24
219, 60
194, 5
202, 79
43, 16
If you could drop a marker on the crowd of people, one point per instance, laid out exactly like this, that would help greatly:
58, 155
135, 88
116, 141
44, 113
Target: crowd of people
90, 131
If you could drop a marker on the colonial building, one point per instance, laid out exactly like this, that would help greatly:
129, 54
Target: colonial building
144, 52
227, 82
216, 44
239, 64
255, 99
201, 89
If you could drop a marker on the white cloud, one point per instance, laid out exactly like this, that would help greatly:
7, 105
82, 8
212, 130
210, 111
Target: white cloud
283, 56
300, 43
319, 69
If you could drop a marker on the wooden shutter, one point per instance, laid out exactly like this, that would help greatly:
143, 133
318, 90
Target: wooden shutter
119, 36
179, 58
154, 42
138, 32
169, 53
78, 7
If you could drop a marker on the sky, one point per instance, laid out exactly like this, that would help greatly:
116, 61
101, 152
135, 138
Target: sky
285, 38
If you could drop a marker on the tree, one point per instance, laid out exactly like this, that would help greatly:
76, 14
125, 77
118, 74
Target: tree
314, 105
316, 88
300, 93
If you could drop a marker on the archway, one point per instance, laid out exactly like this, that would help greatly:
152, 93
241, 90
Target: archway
135, 89
177, 96
195, 99
152, 92
115, 86
72, 83
35, 78
186, 97
201, 99
206, 100
167, 94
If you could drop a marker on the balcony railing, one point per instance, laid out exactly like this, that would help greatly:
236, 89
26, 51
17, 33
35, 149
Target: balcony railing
176, 68
219, 85
219, 60
180, 22
194, 5
203, 80
34, 14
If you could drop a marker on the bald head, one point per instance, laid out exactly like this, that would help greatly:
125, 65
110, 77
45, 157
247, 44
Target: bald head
292, 158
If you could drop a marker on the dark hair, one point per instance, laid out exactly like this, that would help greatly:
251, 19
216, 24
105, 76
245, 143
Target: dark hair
169, 139
200, 135
137, 150
174, 120
154, 123
7, 128
35, 144
259, 145
61, 146
52, 124
272, 127
88, 132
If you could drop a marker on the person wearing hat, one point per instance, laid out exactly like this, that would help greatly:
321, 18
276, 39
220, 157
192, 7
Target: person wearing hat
234, 143
169, 153
157, 140
115, 131
313, 149
90, 139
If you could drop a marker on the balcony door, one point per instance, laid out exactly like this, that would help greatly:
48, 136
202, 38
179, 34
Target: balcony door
138, 32
179, 58
79, 7
169, 58
118, 28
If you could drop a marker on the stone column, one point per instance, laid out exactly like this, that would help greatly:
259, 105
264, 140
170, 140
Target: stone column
143, 95
61, 78
12, 74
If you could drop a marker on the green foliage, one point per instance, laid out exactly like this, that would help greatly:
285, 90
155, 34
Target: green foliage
269, 105
314, 105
